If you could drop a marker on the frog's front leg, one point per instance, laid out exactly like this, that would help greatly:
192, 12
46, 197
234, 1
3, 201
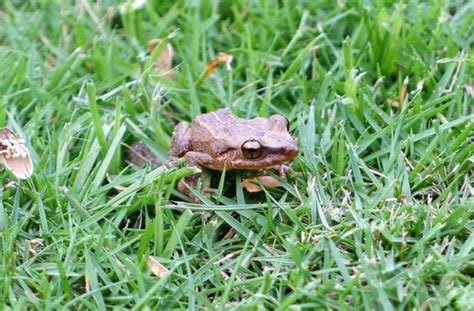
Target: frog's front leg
194, 159
181, 141
286, 170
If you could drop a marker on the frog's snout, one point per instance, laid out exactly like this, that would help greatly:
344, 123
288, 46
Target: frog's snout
292, 149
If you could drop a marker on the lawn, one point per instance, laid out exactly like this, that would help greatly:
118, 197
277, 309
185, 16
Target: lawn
379, 93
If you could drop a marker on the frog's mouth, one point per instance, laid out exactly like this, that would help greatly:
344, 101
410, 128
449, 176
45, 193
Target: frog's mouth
268, 158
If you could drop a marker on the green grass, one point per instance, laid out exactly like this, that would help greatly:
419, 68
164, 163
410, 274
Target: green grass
381, 216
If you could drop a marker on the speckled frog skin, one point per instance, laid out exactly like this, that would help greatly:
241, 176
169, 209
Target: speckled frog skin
219, 140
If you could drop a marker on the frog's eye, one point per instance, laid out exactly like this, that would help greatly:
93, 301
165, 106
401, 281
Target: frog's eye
252, 149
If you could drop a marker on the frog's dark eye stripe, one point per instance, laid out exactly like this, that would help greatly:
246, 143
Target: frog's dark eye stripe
251, 149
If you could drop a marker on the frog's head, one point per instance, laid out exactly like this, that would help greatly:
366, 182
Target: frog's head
268, 147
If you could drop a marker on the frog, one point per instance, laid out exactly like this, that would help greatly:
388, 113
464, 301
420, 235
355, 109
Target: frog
221, 140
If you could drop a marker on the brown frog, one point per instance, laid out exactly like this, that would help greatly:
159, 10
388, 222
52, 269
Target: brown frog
219, 140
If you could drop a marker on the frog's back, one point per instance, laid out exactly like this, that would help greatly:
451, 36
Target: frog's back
217, 132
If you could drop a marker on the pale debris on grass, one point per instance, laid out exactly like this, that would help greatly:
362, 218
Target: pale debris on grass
255, 184
164, 61
156, 267
87, 283
213, 64
34, 245
401, 96
14, 155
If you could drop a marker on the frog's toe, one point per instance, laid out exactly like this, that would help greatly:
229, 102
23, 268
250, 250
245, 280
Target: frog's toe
286, 170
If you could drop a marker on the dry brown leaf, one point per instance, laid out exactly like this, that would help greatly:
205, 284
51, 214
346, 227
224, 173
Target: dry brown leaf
401, 96
10, 185
87, 283
140, 155
164, 61
393, 103
14, 155
156, 267
119, 188
403, 92
251, 185
33, 246
230, 234
50, 61
213, 64
402, 197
